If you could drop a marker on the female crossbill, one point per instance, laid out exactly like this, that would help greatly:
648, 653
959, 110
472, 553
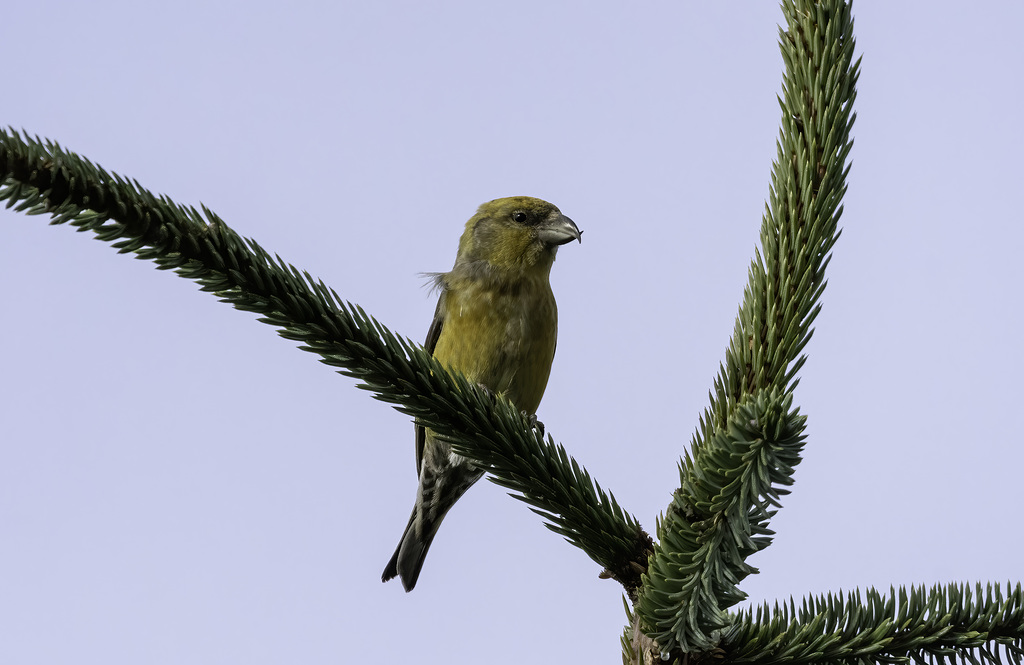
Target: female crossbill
496, 323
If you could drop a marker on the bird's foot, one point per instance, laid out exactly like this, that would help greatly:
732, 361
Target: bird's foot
534, 423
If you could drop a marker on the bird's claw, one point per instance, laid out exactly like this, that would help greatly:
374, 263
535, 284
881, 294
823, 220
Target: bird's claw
534, 423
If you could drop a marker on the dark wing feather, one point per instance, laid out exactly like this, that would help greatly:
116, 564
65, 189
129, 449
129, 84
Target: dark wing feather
432, 336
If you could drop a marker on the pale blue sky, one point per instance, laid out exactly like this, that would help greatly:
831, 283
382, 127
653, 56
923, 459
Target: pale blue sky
179, 485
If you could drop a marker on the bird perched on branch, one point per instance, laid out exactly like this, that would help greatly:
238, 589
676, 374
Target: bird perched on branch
496, 323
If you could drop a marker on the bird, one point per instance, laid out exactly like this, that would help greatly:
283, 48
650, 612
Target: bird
496, 322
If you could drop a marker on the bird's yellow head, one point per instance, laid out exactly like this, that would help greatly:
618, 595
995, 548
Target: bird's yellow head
518, 233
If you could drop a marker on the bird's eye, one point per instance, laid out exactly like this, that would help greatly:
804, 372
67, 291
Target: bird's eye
519, 217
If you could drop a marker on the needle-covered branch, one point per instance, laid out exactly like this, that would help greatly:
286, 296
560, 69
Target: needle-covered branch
750, 437
952, 624
44, 179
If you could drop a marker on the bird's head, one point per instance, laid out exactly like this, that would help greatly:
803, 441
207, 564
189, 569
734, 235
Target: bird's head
518, 233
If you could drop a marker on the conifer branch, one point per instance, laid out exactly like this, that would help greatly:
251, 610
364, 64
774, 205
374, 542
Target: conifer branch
950, 624
45, 179
750, 437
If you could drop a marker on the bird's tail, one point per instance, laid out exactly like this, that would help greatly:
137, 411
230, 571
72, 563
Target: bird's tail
408, 558
440, 487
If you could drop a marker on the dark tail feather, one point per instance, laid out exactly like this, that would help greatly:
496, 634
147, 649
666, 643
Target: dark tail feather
408, 558
441, 485
391, 570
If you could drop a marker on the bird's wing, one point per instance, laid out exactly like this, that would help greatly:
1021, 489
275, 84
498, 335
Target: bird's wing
432, 336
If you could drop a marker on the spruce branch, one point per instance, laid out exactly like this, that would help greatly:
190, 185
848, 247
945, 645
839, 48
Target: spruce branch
951, 624
38, 178
750, 437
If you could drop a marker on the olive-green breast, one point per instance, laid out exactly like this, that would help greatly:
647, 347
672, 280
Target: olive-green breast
503, 338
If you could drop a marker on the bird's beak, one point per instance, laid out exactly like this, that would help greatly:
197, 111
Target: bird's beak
558, 230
